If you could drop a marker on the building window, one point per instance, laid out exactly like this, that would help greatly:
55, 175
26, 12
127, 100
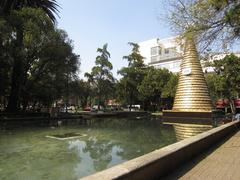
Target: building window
159, 50
154, 51
166, 51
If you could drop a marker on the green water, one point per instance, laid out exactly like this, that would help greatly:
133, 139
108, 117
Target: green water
28, 154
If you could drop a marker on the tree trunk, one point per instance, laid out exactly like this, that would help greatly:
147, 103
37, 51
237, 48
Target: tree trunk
233, 109
15, 86
130, 103
25, 102
99, 102
17, 74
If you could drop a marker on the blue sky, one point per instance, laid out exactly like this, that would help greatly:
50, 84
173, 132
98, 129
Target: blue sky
92, 23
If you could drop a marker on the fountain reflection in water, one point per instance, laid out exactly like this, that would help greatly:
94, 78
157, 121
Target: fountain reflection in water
184, 131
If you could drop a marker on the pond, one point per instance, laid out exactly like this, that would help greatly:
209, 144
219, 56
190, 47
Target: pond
75, 151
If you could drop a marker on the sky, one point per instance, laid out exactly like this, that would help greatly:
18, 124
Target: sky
92, 23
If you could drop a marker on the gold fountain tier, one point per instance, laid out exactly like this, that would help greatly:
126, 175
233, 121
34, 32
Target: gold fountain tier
192, 91
192, 101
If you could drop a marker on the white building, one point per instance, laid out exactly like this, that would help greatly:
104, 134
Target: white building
164, 53
168, 53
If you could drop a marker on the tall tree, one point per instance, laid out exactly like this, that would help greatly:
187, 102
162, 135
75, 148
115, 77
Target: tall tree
50, 7
101, 76
5, 61
10, 10
51, 68
132, 77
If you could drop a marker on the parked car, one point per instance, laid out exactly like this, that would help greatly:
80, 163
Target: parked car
88, 108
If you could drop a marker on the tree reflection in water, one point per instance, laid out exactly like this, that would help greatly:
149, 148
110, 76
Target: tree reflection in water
112, 141
107, 142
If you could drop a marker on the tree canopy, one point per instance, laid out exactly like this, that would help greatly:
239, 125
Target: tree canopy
213, 21
50, 7
225, 82
19, 16
36, 68
101, 76
132, 77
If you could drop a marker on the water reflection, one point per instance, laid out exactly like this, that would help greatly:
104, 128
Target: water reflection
122, 140
28, 154
184, 131
110, 142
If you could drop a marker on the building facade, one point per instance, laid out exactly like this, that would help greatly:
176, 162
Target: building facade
165, 53
168, 53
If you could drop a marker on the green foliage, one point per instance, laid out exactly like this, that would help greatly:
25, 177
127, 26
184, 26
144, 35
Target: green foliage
41, 54
169, 89
213, 21
143, 85
101, 76
156, 85
24, 19
52, 69
228, 69
224, 83
81, 90
217, 86
48, 6
133, 75
5, 59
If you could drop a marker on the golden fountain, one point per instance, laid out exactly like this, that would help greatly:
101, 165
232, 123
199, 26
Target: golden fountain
192, 104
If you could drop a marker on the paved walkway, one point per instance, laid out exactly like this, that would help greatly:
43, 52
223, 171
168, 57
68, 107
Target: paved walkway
222, 162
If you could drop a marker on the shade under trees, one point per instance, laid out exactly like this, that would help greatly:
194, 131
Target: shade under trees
16, 15
38, 63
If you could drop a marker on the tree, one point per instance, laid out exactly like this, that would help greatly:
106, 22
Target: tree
48, 62
225, 83
13, 13
213, 20
101, 76
81, 90
48, 6
5, 61
217, 86
170, 87
156, 85
132, 77
50, 71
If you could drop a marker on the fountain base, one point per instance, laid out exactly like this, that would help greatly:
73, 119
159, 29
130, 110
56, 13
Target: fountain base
206, 117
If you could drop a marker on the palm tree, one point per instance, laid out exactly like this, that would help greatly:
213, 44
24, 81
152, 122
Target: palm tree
50, 8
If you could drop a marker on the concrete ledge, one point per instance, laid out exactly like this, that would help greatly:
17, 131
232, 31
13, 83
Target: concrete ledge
188, 117
160, 162
116, 114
